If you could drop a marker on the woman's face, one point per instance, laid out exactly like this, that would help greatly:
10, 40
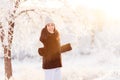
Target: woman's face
51, 27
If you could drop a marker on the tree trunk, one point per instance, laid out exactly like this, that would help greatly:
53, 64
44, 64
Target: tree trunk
7, 63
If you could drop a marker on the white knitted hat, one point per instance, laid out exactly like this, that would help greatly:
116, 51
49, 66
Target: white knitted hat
48, 20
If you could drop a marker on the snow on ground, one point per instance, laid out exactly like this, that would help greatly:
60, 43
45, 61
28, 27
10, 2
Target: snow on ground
85, 67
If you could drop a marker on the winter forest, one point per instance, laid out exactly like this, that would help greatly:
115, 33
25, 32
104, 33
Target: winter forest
91, 26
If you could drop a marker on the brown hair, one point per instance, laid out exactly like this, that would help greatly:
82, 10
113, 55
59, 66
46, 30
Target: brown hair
45, 34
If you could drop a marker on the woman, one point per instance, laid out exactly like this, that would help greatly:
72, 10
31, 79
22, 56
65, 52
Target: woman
51, 51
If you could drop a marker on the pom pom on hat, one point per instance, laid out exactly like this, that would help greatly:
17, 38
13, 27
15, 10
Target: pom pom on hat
48, 20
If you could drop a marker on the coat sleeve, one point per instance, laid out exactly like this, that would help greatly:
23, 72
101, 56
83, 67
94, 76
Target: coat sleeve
66, 47
41, 51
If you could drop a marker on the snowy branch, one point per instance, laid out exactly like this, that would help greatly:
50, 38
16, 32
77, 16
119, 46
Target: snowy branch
24, 11
2, 34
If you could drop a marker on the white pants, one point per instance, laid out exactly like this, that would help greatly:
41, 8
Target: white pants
53, 74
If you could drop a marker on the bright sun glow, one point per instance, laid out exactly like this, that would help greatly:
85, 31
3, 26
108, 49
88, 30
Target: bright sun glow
110, 7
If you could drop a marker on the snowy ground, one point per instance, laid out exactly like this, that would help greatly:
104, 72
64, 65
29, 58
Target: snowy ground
85, 67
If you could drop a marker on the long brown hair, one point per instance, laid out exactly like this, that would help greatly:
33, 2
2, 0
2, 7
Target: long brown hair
45, 34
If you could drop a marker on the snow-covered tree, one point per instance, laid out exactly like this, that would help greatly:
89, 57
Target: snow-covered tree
6, 35
7, 24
